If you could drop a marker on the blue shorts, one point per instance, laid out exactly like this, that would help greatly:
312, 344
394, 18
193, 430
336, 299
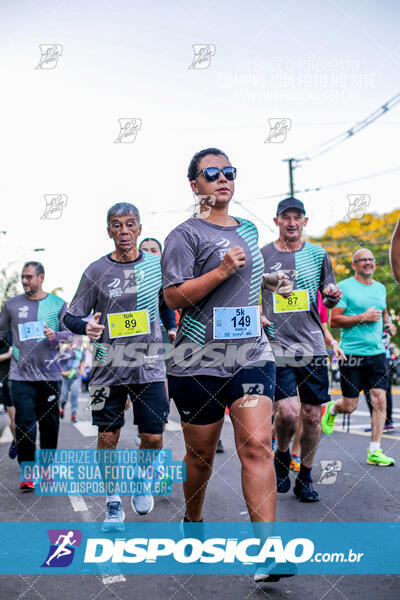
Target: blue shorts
202, 399
149, 401
309, 382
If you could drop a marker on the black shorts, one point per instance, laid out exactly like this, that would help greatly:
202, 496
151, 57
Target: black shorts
363, 373
149, 401
5, 397
202, 399
309, 382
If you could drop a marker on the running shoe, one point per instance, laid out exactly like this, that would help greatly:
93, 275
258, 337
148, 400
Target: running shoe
61, 413
115, 517
295, 462
368, 429
272, 571
27, 486
142, 505
378, 458
304, 491
282, 475
220, 447
388, 426
273, 446
73, 417
328, 420
191, 529
12, 451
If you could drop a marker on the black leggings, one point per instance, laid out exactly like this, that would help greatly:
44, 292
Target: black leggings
35, 402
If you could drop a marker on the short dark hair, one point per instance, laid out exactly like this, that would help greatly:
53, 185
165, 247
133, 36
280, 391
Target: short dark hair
39, 268
150, 240
194, 163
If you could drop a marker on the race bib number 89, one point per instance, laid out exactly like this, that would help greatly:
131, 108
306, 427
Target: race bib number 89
234, 323
128, 324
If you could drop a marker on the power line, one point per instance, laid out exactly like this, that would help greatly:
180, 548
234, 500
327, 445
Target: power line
329, 185
338, 139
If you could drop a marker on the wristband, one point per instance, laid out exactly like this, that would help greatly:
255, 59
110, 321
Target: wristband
71, 374
333, 342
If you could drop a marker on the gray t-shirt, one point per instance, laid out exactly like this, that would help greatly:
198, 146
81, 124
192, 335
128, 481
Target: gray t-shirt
211, 341
34, 358
121, 289
295, 324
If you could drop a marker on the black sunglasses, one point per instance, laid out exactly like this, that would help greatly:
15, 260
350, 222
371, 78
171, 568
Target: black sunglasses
212, 173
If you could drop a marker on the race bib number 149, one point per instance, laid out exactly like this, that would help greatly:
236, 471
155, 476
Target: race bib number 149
234, 323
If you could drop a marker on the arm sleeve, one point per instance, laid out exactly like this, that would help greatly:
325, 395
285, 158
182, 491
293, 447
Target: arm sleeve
178, 258
75, 324
167, 315
327, 274
5, 322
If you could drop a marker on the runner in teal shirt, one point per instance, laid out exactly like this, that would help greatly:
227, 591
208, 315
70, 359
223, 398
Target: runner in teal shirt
361, 315
364, 339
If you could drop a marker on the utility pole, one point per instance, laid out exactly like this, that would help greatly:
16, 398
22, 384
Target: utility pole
291, 162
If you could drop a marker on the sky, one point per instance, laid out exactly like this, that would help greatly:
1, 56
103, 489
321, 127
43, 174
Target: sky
321, 66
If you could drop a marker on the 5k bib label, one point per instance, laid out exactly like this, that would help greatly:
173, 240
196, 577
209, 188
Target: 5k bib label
234, 323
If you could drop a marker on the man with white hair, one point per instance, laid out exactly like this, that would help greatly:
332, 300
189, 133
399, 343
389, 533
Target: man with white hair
121, 289
361, 315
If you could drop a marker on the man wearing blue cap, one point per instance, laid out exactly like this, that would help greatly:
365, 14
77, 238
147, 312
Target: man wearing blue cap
298, 342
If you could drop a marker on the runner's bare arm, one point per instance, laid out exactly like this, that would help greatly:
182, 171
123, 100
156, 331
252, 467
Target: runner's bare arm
339, 319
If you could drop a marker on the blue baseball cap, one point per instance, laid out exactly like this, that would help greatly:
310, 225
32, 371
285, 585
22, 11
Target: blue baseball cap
289, 203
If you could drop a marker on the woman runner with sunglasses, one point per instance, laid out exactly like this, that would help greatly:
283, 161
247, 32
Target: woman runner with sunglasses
212, 270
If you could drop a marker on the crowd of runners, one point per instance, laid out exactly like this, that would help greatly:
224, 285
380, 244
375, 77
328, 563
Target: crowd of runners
251, 338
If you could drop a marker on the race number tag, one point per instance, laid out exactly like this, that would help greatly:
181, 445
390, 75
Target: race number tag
232, 323
297, 302
33, 330
128, 324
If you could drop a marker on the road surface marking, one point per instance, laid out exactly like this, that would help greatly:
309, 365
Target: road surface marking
6, 436
172, 426
78, 503
86, 428
107, 579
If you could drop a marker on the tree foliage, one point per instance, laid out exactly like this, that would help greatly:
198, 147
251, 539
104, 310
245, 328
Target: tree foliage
375, 233
8, 285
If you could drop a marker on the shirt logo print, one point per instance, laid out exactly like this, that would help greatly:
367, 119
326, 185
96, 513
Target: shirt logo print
23, 312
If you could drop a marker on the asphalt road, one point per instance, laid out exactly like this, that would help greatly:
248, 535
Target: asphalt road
360, 493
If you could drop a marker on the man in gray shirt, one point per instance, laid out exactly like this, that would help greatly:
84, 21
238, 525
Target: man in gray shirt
35, 319
122, 290
297, 339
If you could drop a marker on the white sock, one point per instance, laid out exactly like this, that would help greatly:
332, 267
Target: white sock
114, 498
332, 410
374, 446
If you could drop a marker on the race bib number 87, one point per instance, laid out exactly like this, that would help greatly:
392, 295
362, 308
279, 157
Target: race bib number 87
297, 302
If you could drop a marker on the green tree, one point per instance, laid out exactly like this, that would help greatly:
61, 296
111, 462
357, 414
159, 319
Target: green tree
8, 285
373, 232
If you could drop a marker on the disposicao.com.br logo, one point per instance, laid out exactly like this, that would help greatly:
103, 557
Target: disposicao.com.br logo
191, 550
207, 548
